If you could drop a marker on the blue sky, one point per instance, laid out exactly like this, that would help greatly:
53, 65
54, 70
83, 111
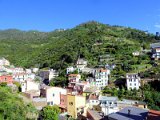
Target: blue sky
47, 15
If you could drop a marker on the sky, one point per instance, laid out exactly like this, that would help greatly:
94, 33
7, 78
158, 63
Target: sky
47, 15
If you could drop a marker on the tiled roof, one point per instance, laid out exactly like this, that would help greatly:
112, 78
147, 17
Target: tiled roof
93, 97
73, 75
90, 90
154, 115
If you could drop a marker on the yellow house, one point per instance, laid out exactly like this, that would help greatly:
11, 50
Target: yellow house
75, 105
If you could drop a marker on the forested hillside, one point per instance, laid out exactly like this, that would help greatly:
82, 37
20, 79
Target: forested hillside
92, 40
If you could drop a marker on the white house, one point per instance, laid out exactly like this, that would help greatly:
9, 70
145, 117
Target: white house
108, 104
28, 71
14, 70
53, 74
101, 77
81, 64
52, 94
20, 77
70, 69
93, 100
133, 81
29, 85
35, 70
155, 50
136, 53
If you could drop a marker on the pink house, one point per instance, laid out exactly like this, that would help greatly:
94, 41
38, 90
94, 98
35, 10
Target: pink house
6, 78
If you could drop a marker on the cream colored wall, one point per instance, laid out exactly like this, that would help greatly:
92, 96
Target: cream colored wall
31, 85
53, 94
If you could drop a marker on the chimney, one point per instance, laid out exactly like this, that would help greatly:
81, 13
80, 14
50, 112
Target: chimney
129, 111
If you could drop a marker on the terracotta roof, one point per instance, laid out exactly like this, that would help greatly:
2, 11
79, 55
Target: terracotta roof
90, 90
154, 115
73, 75
93, 97
103, 70
62, 106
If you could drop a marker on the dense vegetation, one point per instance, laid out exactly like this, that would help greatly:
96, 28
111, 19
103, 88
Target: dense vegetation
98, 43
12, 106
50, 112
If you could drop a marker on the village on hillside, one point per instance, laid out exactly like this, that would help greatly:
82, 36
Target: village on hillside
84, 98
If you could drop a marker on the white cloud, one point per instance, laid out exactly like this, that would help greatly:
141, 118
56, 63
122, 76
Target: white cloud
157, 25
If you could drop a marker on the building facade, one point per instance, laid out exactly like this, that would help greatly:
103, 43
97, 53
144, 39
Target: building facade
6, 78
133, 81
101, 78
75, 105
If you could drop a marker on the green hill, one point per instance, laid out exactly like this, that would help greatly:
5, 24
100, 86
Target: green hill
96, 42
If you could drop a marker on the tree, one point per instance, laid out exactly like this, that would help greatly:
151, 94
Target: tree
50, 112
13, 108
3, 84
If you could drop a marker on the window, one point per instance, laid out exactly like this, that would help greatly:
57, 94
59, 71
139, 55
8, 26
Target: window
51, 103
135, 84
48, 103
53, 94
134, 80
71, 103
130, 84
62, 100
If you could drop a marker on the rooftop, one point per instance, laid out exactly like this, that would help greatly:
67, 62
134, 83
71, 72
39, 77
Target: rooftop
73, 75
108, 98
90, 90
130, 113
154, 115
93, 97
155, 45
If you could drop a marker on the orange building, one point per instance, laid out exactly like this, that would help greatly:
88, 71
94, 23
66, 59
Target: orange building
6, 78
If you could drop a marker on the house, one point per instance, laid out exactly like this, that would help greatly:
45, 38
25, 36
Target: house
129, 103
28, 71
155, 50
29, 84
93, 100
153, 115
133, 81
47, 75
81, 64
73, 78
35, 70
63, 103
20, 77
14, 70
75, 105
31, 94
44, 74
94, 115
89, 90
101, 77
4, 62
129, 113
6, 78
70, 69
108, 104
136, 53
53, 74
52, 94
